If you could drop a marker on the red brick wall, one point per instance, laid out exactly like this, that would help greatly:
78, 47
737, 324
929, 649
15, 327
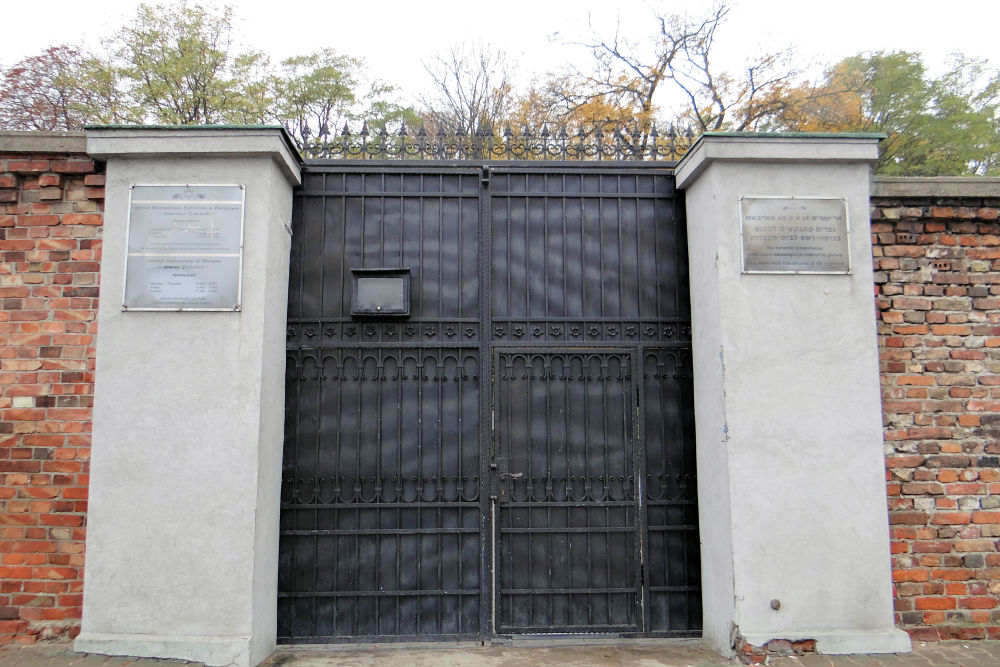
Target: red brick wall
50, 224
937, 263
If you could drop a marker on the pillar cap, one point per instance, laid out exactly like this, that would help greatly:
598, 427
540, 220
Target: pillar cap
804, 147
159, 141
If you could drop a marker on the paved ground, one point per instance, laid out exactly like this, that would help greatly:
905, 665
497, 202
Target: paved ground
639, 653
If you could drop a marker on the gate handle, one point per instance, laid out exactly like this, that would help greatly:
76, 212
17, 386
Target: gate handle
510, 475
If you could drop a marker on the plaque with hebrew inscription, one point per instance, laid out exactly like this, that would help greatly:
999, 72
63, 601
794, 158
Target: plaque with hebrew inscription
185, 247
794, 235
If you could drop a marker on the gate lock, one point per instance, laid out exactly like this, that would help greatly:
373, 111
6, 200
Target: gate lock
500, 491
502, 478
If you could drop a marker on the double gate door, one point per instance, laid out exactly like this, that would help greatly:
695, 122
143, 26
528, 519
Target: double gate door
516, 454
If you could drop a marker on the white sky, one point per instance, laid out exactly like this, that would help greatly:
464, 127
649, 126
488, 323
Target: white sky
396, 36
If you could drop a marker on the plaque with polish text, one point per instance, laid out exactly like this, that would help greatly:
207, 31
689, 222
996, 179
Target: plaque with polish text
794, 235
185, 247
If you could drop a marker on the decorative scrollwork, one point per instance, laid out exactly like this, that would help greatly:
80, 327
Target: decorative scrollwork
348, 489
601, 140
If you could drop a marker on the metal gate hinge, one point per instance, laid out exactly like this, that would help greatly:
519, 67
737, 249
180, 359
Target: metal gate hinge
486, 175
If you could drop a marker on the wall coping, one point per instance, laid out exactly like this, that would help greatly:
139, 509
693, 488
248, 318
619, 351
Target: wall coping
192, 141
790, 147
42, 142
935, 186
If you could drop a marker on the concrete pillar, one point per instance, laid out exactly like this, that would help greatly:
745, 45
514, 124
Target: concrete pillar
787, 400
182, 536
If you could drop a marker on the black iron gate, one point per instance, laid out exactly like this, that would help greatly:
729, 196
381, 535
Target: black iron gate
516, 454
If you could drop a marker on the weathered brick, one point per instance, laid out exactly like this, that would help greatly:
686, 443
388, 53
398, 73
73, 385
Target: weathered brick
941, 373
42, 517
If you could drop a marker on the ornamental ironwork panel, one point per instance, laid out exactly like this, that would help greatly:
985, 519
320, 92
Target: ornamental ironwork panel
584, 142
516, 454
380, 523
673, 573
568, 530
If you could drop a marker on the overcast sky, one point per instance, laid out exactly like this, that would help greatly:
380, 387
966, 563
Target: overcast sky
396, 36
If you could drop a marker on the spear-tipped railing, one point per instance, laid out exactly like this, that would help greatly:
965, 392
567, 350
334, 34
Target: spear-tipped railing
597, 141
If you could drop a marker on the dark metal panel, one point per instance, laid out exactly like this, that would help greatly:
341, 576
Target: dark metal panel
567, 529
381, 516
380, 506
671, 492
548, 258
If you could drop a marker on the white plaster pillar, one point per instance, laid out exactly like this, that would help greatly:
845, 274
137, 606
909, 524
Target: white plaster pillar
182, 535
789, 429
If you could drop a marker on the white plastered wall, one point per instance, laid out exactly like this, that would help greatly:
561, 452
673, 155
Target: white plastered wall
182, 536
788, 408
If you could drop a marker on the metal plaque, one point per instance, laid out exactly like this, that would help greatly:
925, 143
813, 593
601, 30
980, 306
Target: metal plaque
794, 235
185, 247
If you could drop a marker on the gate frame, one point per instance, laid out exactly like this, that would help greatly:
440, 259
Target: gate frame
485, 169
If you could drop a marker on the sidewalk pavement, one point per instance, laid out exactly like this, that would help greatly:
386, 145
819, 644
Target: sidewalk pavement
638, 653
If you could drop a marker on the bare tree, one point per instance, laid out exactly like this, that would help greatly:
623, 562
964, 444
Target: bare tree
472, 89
630, 78
718, 100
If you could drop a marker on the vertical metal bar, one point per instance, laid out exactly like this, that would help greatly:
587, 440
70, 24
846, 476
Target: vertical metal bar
295, 477
600, 246
675, 221
439, 484
562, 210
316, 473
420, 563
381, 226
338, 494
488, 530
345, 299
400, 483
639, 434
545, 245
461, 269
440, 256
585, 367
621, 250
529, 475
358, 486
379, 370
606, 455
527, 252
654, 248
508, 264
548, 471
639, 278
